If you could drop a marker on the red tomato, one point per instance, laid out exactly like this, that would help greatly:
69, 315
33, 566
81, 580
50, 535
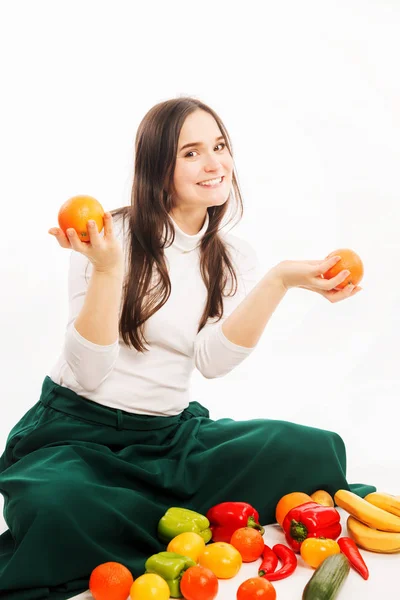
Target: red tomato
256, 588
199, 583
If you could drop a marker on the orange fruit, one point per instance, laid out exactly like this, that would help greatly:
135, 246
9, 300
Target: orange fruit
76, 212
323, 498
110, 581
188, 543
222, 559
288, 502
350, 261
149, 586
249, 542
256, 588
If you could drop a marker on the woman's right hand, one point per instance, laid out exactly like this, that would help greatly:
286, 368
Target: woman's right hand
104, 252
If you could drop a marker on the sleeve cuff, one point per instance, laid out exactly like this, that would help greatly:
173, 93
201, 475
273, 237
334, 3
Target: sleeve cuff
230, 345
91, 345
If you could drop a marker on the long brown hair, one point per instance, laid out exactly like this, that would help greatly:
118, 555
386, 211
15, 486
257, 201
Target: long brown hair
148, 286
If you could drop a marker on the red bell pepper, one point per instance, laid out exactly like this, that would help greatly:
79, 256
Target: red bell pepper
226, 517
311, 520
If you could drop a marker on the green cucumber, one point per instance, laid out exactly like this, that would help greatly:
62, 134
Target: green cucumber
327, 579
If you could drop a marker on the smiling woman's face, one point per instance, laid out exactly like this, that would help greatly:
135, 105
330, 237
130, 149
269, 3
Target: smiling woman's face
206, 159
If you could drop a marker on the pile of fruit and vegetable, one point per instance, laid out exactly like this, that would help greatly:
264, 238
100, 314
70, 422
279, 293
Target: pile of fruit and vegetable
200, 549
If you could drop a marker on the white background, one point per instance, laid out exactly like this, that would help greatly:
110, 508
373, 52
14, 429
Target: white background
310, 93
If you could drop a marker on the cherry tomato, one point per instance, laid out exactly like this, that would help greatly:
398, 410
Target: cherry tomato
199, 583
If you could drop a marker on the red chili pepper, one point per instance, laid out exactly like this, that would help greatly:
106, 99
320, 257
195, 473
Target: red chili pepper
311, 520
289, 563
350, 550
269, 561
226, 517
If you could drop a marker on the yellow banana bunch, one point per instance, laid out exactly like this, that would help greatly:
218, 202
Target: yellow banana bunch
385, 501
374, 523
384, 542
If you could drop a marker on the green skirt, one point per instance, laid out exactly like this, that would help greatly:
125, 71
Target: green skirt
84, 484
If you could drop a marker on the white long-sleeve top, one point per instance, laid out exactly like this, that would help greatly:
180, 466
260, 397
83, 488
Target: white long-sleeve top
156, 382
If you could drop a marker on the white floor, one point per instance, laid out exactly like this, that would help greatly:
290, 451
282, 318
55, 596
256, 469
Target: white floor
382, 584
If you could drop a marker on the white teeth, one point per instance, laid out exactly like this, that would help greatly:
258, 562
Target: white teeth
211, 182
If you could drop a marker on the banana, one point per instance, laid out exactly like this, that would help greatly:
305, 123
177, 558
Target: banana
371, 539
385, 501
366, 512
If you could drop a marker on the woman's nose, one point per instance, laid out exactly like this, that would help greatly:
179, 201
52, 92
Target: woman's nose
212, 164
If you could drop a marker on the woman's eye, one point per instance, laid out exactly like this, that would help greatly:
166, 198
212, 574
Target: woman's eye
221, 144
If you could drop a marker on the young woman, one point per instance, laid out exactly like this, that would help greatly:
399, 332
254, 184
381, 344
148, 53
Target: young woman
115, 439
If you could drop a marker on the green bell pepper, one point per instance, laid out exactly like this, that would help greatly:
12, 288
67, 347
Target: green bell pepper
170, 566
178, 520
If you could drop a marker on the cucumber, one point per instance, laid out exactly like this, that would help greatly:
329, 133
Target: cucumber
327, 579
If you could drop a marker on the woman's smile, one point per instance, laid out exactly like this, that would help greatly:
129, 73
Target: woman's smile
212, 183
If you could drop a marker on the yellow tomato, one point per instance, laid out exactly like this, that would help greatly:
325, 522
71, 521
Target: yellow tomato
188, 543
149, 587
315, 550
222, 559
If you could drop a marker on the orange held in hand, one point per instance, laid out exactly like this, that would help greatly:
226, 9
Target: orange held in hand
77, 211
110, 581
350, 261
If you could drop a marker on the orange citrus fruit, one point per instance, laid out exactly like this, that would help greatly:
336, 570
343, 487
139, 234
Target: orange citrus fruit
149, 586
222, 559
76, 212
249, 542
288, 502
256, 588
110, 581
188, 543
350, 261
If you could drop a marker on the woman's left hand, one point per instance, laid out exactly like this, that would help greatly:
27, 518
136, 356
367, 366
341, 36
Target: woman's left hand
337, 294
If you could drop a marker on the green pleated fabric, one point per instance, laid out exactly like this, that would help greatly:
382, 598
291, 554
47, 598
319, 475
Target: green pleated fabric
84, 484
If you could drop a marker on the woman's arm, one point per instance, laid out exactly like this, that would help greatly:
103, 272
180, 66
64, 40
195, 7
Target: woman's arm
247, 322
98, 319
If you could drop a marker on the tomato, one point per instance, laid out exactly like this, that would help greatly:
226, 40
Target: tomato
149, 587
315, 550
256, 588
222, 558
188, 543
199, 583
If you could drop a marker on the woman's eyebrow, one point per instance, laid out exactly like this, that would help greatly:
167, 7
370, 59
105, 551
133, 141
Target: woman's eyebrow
221, 137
